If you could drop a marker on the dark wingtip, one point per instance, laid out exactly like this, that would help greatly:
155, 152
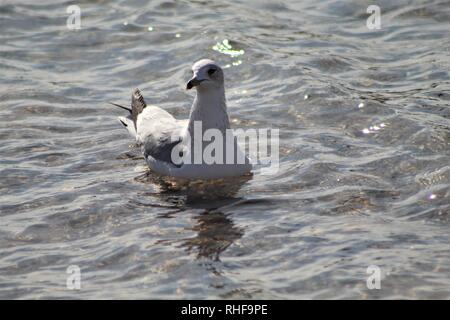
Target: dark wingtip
137, 96
122, 107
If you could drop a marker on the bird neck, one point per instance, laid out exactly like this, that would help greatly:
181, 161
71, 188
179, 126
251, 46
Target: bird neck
210, 109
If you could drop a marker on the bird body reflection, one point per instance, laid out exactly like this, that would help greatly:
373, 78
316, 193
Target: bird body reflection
215, 230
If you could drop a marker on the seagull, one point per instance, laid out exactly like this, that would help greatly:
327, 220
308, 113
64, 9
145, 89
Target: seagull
177, 148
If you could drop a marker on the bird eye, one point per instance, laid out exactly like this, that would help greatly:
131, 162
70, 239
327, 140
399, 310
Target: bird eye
211, 71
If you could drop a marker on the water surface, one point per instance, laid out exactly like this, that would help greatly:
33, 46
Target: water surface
364, 151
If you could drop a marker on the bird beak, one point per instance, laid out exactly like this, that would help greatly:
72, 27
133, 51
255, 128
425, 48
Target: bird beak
193, 83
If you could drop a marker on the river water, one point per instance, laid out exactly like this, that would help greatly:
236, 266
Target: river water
364, 175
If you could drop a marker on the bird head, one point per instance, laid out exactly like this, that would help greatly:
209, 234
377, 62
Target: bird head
206, 75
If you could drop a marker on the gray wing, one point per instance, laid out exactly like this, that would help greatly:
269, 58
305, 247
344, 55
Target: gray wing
160, 148
156, 129
160, 133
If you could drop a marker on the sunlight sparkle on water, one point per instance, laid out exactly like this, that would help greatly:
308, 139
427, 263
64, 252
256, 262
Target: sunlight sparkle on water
374, 128
226, 48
